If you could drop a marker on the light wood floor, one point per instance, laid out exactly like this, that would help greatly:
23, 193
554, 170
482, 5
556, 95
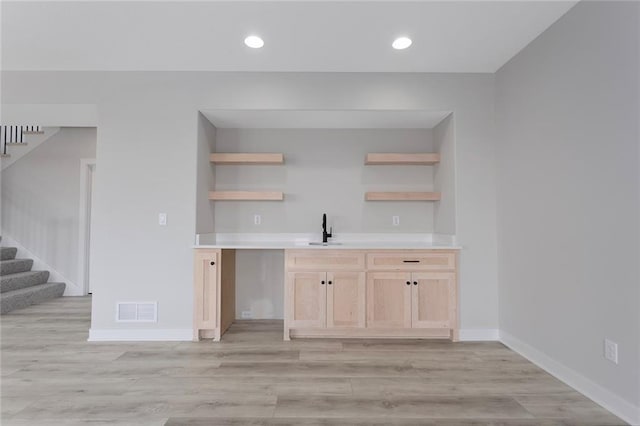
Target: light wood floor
52, 376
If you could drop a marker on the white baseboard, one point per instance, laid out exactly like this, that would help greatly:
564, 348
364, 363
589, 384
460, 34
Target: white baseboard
71, 289
479, 335
612, 402
141, 335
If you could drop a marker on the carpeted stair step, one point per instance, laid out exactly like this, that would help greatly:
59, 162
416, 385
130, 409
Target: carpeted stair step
8, 253
15, 265
22, 280
24, 297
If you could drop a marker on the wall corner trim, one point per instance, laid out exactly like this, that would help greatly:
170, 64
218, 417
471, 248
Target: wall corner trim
607, 399
141, 335
479, 335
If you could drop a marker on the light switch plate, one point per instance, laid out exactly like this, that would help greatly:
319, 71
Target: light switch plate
162, 219
611, 351
395, 220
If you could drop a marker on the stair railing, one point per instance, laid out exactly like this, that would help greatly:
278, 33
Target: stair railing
16, 135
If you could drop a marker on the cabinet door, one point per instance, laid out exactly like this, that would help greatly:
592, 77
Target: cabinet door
307, 304
433, 299
388, 300
206, 289
345, 299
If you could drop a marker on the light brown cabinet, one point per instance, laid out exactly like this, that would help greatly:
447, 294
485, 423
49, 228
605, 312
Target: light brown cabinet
307, 299
341, 293
325, 300
388, 300
205, 304
393, 293
411, 260
213, 292
410, 299
345, 299
433, 303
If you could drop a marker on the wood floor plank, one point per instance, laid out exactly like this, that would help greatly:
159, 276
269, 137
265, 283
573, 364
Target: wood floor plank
457, 385
426, 407
248, 355
87, 421
386, 355
158, 406
241, 385
317, 369
363, 421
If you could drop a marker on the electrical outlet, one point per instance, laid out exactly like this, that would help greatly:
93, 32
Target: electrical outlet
395, 220
611, 351
257, 219
246, 314
162, 219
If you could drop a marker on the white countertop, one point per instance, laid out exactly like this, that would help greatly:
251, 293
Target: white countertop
341, 242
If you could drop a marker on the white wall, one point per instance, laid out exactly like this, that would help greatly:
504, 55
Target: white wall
41, 199
445, 177
147, 150
259, 283
324, 172
568, 197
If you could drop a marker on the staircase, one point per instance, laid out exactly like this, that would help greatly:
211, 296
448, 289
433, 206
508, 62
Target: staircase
18, 141
20, 286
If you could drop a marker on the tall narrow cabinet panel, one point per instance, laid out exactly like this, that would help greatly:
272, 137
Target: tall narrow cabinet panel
388, 300
346, 299
206, 290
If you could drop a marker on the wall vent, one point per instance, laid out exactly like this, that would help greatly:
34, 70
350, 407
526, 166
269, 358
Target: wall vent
137, 312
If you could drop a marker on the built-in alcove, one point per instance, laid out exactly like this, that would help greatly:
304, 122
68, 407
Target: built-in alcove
277, 172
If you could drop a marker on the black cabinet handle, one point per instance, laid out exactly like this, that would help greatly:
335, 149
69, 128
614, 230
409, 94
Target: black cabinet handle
408, 282
213, 263
411, 261
415, 283
330, 282
322, 282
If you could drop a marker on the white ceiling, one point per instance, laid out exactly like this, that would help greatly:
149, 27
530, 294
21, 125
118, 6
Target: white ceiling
319, 119
322, 36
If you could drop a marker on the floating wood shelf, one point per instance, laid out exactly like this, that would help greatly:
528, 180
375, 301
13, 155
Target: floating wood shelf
402, 196
402, 158
246, 158
246, 196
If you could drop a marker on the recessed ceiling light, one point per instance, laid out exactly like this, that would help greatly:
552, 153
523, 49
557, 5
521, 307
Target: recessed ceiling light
254, 42
401, 43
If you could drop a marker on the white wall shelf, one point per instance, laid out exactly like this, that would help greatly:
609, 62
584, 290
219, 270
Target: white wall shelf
232, 158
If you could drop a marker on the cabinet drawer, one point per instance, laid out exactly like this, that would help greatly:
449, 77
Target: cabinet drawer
323, 260
411, 261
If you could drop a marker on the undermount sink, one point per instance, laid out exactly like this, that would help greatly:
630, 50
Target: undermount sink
319, 243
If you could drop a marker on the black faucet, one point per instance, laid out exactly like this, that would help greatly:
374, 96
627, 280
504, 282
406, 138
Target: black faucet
325, 235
